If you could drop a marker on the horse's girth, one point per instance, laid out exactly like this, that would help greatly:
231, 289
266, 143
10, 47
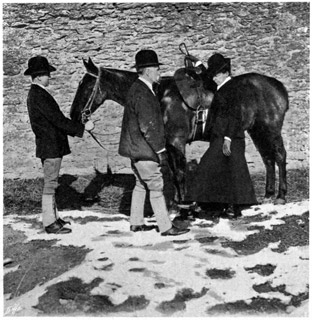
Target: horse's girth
199, 123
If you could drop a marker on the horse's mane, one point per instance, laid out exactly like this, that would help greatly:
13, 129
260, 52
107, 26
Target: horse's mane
122, 73
124, 76
118, 71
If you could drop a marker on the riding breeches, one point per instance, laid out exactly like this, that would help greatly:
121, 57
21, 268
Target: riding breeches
149, 177
51, 170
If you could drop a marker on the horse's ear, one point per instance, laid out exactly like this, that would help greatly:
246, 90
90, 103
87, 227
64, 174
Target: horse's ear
91, 67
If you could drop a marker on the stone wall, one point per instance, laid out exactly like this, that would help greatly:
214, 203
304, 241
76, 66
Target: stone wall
270, 38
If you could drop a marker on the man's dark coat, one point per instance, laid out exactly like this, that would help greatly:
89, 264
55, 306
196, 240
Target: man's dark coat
49, 124
219, 178
142, 133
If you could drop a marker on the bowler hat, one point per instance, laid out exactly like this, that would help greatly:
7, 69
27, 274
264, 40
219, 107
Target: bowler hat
38, 65
146, 58
216, 63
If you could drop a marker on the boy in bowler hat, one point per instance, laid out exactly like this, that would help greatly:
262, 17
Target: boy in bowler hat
142, 140
51, 129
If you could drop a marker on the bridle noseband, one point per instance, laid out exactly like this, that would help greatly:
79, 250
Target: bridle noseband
86, 111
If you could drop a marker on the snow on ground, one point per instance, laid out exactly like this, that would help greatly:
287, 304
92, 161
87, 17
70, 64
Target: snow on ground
178, 262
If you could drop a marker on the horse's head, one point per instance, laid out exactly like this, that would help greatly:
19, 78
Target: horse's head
90, 93
98, 85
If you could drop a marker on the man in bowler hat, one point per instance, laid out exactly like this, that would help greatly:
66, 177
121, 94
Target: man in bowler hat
222, 182
51, 129
143, 141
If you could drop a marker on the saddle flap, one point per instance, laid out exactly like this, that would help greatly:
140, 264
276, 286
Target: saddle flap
190, 86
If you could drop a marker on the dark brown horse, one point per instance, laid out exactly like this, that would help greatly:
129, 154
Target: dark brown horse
264, 102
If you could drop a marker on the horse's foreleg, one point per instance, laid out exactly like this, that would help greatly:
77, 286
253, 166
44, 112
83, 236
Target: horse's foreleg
280, 158
177, 162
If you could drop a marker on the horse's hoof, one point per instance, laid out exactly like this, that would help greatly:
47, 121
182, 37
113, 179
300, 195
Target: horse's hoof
266, 200
279, 201
184, 206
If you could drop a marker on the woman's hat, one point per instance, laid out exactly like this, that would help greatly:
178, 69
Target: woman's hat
146, 58
216, 63
38, 65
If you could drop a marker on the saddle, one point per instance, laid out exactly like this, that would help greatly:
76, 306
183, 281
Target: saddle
190, 86
196, 97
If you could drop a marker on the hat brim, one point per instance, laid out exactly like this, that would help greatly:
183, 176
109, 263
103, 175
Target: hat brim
30, 72
212, 71
146, 65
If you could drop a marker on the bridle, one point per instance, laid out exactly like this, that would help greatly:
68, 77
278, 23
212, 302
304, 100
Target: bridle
86, 111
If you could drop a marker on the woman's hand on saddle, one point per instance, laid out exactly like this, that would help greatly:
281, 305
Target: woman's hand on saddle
89, 125
226, 147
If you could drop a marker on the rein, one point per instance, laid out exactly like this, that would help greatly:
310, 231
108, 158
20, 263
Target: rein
97, 141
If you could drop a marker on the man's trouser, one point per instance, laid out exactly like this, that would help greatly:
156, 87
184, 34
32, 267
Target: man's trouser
148, 176
51, 170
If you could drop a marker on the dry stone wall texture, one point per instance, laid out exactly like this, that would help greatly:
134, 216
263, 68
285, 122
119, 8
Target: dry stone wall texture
268, 37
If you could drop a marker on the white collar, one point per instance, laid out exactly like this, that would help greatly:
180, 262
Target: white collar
226, 80
147, 83
40, 85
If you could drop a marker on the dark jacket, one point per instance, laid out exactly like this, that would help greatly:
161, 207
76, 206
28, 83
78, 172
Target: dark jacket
49, 124
218, 178
225, 118
142, 132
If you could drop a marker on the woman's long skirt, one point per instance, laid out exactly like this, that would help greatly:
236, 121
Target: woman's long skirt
222, 179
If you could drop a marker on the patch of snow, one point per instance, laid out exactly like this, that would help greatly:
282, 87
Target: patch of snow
133, 264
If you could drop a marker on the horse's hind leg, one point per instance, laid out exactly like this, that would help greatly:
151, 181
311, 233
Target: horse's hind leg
266, 151
271, 148
280, 158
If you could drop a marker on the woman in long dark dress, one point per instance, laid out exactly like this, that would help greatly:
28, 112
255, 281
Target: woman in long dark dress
222, 179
